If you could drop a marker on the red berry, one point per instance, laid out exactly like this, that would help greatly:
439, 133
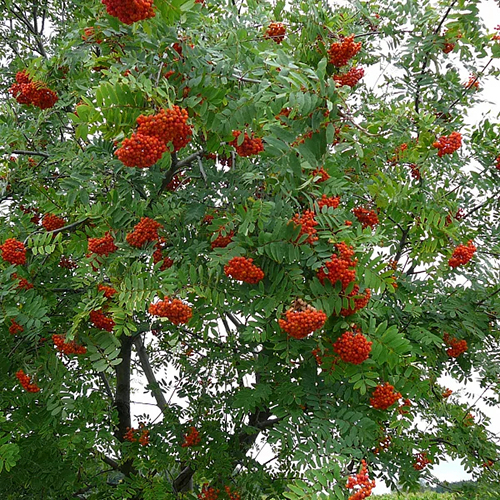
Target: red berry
146, 230
102, 246
249, 146
174, 310
130, 11
384, 396
302, 320
14, 251
242, 269
275, 31
352, 347
462, 255
341, 52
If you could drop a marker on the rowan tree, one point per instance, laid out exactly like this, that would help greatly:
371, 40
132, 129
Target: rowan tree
275, 219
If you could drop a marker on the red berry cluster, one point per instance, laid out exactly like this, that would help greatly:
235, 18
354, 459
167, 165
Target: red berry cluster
14, 251
222, 241
448, 47
90, 35
232, 495
472, 83
384, 396
459, 214
68, 347
300, 323
146, 230
322, 173
332, 202
352, 347
403, 409
368, 218
101, 321
497, 162
169, 125
174, 310
26, 382
360, 301
250, 145
15, 328
27, 91
26, 210
446, 394
462, 254
284, 112
102, 246
23, 284
243, 269
383, 445
362, 481
67, 263
131, 435
340, 267
166, 262
141, 151
130, 11
447, 145
398, 153
302, 319
421, 461
208, 493
351, 78
415, 171
177, 181
457, 347
109, 291
307, 224
192, 438
275, 31
341, 52
52, 222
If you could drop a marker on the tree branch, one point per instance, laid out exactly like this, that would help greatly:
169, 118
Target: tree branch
148, 371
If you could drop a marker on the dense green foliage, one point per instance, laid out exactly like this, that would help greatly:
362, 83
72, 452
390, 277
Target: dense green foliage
231, 371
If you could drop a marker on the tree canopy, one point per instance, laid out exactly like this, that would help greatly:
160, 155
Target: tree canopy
276, 218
